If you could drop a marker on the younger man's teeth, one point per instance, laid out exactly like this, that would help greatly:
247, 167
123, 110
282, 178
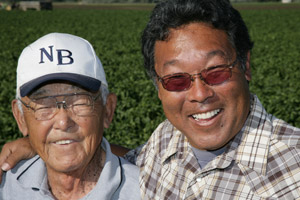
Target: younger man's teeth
63, 142
206, 115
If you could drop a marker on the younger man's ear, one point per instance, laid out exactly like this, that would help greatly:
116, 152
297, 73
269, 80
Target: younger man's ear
110, 106
248, 68
19, 117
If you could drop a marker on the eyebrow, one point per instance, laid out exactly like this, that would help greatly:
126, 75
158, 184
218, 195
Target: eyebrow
216, 53
171, 62
42, 91
209, 55
38, 92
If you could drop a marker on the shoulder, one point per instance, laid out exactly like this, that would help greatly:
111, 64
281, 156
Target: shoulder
20, 168
129, 168
260, 123
119, 177
12, 180
286, 133
132, 155
129, 185
283, 159
284, 144
158, 141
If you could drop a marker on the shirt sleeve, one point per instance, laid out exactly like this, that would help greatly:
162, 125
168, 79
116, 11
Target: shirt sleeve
132, 155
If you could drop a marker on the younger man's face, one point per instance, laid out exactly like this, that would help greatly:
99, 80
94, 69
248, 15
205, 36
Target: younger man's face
208, 115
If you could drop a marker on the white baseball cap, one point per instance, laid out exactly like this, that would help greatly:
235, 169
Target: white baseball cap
59, 56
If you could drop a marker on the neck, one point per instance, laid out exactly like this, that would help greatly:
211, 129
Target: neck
77, 184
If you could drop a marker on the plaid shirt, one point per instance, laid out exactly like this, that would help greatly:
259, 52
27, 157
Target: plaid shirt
261, 162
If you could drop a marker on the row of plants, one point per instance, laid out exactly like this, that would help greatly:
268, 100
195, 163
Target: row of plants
115, 35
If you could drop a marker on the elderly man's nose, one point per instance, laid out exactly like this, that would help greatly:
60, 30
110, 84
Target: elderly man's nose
63, 119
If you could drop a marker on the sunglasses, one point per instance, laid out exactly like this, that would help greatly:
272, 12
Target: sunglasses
211, 76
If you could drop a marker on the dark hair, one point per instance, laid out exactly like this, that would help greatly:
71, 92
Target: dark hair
175, 13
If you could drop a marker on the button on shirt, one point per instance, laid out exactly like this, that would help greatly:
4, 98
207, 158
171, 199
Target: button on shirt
28, 180
261, 162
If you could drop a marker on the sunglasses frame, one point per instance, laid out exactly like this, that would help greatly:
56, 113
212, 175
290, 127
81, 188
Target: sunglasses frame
193, 76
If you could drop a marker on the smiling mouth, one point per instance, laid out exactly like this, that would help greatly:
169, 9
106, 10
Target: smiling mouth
61, 142
207, 115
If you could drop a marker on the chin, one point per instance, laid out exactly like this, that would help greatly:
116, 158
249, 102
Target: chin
211, 143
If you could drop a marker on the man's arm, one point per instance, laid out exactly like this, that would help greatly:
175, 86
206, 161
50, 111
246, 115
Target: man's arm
20, 149
132, 155
118, 150
13, 152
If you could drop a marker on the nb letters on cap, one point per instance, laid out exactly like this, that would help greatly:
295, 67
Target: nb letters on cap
59, 56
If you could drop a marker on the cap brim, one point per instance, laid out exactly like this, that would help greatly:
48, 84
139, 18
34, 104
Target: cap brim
86, 82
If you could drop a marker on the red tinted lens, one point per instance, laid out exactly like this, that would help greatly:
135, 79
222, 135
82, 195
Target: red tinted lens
217, 75
177, 82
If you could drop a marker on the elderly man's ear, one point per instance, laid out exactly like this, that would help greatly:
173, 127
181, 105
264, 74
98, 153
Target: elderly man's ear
111, 103
19, 117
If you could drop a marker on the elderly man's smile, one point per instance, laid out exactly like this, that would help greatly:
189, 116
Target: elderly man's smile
64, 142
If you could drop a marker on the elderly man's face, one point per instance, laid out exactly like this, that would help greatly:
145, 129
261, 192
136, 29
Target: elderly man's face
209, 116
66, 142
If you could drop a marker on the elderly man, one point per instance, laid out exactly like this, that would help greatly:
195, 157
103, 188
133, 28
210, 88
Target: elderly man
63, 106
218, 142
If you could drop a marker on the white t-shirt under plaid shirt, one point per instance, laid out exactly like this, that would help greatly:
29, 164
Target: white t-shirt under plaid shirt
261, 162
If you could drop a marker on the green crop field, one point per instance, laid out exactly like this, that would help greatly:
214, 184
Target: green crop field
115, 35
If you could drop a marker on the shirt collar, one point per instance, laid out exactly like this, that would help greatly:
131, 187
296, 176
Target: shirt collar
33, 174
249, 147
253, 140
178, 144
111, 174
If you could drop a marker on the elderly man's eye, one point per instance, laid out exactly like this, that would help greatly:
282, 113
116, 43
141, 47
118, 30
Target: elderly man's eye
43, 107
80, 100
44, 104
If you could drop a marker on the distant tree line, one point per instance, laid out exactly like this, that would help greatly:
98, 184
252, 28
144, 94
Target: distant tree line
109, 1
148, 1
